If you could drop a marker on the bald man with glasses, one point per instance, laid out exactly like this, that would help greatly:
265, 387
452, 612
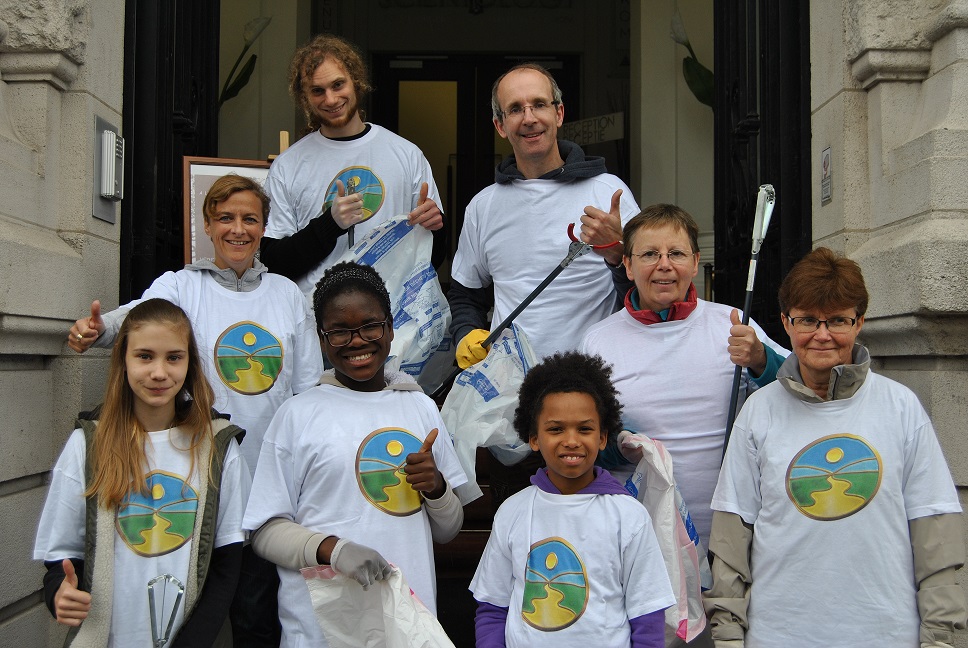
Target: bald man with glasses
515, 231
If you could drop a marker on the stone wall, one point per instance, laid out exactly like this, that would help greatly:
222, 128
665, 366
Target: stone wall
60, 66
889, 96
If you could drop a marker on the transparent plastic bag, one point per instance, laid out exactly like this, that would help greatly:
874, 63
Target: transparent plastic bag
421, 316
387, 615
479, 410
654, 485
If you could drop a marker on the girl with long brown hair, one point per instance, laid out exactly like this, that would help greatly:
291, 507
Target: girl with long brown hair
146, 500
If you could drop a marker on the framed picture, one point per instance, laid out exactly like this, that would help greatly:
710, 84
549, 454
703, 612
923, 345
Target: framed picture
200, 174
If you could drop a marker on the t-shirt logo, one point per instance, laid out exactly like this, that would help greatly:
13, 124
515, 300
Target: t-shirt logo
359, 180
834, 477
161, 521
248, 358
555, 586
379, 471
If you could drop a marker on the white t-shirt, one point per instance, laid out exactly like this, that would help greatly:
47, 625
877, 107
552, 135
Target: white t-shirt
674, 381
515, 234
259, 347
387, 169
330, 463
829, 489
572, 569
144, 546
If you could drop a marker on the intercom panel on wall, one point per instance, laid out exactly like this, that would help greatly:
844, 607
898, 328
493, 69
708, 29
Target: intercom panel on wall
108, 169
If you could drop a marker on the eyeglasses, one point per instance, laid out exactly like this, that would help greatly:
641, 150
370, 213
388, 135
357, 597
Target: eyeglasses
811, 324
538, 109
676, 257
368, 333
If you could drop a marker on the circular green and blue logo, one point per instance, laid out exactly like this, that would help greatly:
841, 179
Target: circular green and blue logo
379, 471
555, 586
248, 358
160, 521
834, 477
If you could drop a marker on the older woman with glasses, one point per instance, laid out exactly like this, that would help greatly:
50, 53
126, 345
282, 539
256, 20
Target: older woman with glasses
836, 520
673, 355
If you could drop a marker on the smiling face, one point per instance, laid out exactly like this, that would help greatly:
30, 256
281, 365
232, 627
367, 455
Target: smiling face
156, 363
333, 99
569, 437
236, 230
533, 135
662, 284
820, 351
359, 364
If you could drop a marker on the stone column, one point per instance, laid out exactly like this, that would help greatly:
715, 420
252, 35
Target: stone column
60, 66
889, 96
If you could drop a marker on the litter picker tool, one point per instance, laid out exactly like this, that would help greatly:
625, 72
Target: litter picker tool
351, 232
165, 593
765, 201
576, 248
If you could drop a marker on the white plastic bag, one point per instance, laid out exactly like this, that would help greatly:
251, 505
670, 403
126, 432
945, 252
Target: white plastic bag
387, 615
479, 410
653, 484
421, 316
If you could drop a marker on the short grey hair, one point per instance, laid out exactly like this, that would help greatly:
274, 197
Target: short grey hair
555, 90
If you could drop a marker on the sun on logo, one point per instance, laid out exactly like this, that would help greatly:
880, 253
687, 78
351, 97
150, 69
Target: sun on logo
834, 477
379, 471
248, 358
555, 586
359, 180
160, 521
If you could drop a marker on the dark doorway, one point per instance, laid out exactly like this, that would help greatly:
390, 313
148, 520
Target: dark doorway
170, 108
762, 135
442, 103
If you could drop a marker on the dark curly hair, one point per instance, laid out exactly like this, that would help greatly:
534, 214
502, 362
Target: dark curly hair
566, 373
348, 277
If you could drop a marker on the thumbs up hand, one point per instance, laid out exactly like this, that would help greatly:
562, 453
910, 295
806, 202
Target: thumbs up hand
599, 227
421, 469
426, 213
86, 329
745, 349
347, 209
71, 604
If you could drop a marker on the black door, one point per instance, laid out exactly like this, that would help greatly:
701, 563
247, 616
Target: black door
762, 135
170, 107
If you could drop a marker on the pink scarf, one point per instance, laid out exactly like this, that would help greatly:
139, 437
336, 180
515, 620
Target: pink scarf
679, 310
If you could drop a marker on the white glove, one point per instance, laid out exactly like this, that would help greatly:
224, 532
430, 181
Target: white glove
360, 563
935, 644
626, 444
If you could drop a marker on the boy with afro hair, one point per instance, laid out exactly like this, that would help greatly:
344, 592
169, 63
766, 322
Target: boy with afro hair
573, 554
